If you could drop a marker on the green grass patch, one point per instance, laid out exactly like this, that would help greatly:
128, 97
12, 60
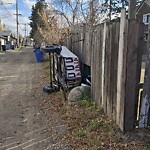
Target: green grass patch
2, 51
82, 133
95, 144
95, 124
86, 101
18, 49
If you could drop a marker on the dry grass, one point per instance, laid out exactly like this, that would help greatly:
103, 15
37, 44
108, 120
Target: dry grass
90, 129
46, 69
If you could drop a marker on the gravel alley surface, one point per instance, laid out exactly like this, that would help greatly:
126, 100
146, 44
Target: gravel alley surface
23, 123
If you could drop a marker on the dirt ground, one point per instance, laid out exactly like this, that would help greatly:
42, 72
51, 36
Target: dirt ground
23, 123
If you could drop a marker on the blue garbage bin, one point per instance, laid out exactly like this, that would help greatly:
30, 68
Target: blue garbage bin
38, 55
7, 46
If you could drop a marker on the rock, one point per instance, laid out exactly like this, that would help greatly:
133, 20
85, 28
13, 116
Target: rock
24, 120
77, 94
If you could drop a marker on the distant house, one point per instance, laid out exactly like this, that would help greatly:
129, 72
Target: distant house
6, 33
2, 42
10, 39
143, 15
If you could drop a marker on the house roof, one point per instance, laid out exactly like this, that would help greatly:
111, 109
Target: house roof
142, 3
5, 32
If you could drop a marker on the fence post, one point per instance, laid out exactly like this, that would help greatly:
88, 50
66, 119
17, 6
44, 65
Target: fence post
103, 62
131, 75
127, 73
121, 72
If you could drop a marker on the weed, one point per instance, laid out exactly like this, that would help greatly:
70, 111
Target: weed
81, 133
110, 125
95, 124
95, 147
86, 101
95, 144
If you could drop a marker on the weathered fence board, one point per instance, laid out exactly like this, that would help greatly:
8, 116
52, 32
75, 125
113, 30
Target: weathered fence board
103, 62
141, 47
100, 41
97, 63
121, 72
113, 58
108, 59
93, 70
131, 73
114, 65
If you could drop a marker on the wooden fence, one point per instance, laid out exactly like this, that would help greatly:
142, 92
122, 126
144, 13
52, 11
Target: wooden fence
113, 57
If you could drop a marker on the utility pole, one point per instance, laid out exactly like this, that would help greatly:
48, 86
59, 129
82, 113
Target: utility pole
25, 30
132, 9
25, 33
17, 23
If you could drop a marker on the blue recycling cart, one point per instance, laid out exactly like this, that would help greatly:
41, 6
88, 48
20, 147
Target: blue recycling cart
39, 55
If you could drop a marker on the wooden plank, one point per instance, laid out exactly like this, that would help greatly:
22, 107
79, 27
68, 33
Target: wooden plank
94, 48
112, 43
121, 72
103, 62
131, 64
109, 73
106, 71
145, 102
100, 44
86, 51
97, 41
141, 47
93, 72
114, 65
82, 36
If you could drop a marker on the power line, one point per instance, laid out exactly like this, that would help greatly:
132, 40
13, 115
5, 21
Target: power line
25, 3
9, 14
2, 4
7, 10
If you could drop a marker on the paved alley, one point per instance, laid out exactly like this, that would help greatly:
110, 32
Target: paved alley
23, 124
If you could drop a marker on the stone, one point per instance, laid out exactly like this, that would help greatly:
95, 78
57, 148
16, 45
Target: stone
77, 93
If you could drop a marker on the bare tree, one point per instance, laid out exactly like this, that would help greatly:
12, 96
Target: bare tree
50, 32
80, 11
68, 9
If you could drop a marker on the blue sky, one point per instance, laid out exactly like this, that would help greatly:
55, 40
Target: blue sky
7, 17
